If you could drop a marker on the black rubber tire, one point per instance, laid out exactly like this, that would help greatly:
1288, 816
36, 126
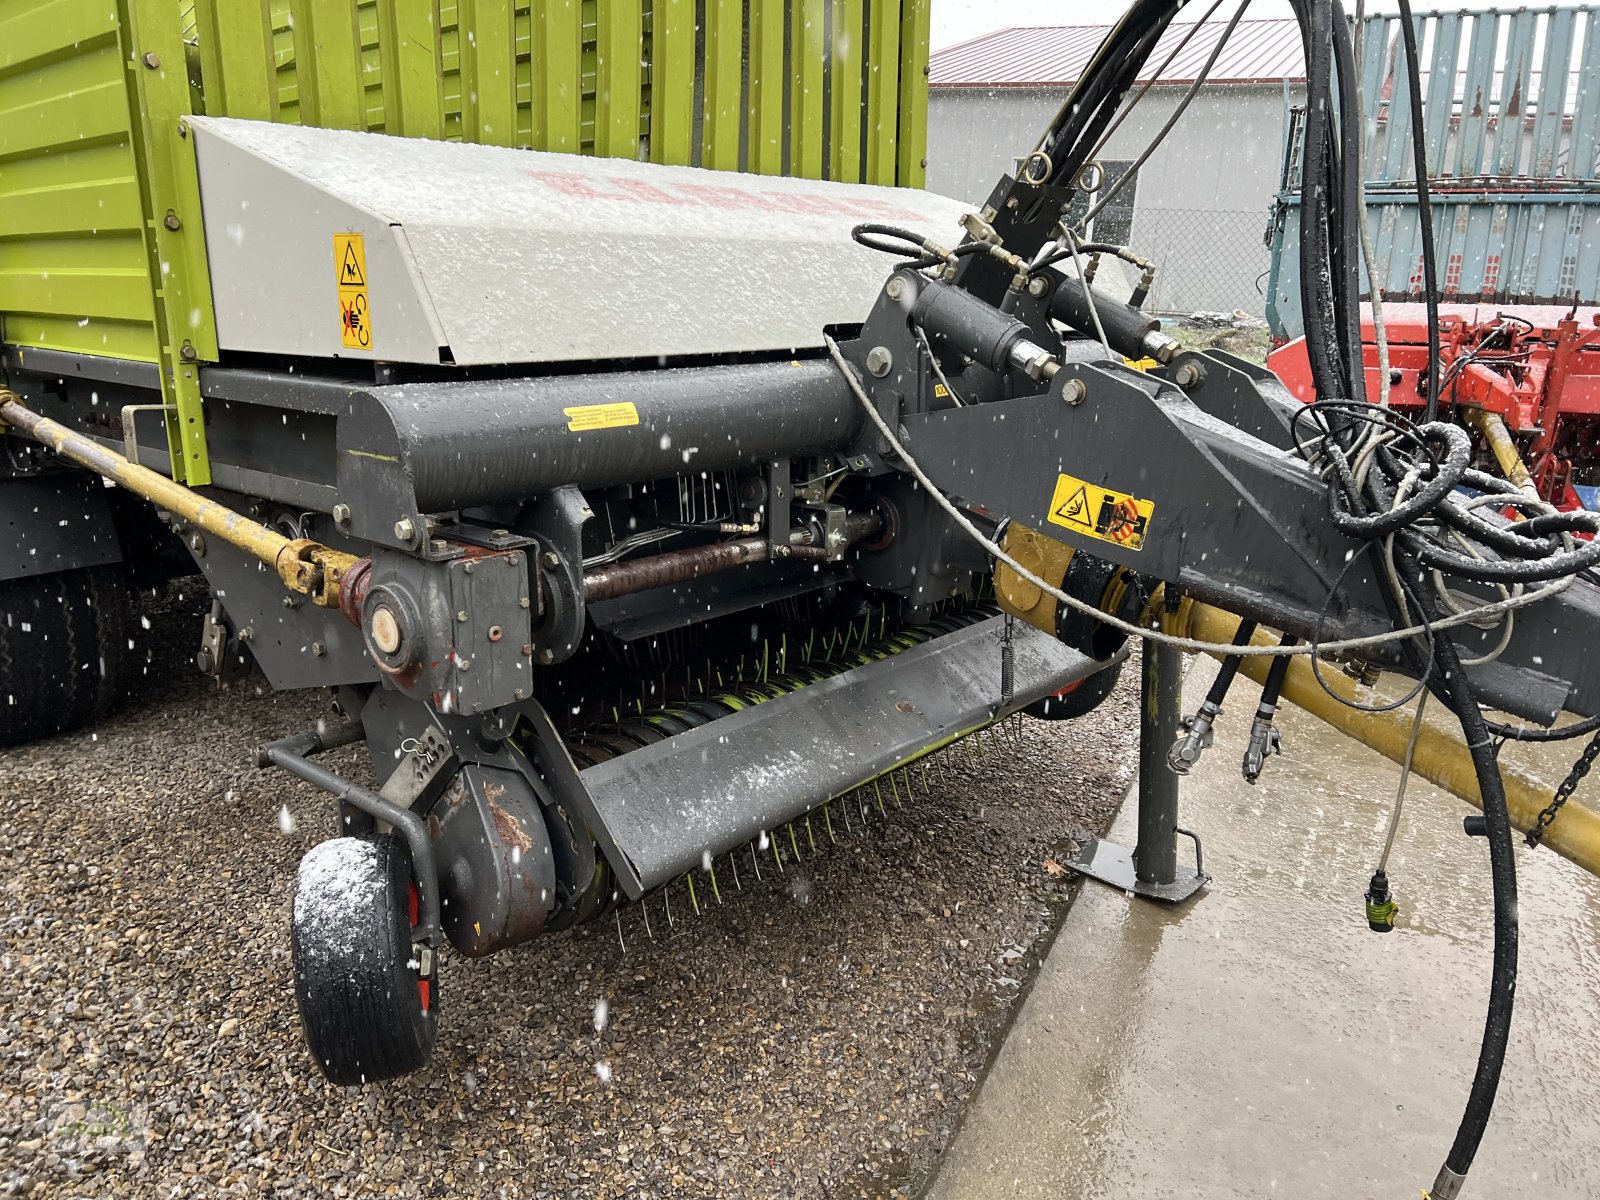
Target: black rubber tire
367, 1010
63, 651
1081, 700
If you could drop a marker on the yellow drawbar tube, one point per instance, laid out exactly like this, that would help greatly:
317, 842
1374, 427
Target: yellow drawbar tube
1439, 758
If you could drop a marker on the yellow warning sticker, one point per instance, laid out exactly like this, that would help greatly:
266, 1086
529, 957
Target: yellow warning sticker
355, 309
1099, 512
601, 416
941, 391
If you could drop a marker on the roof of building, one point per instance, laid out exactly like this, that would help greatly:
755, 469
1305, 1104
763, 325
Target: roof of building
1052, 56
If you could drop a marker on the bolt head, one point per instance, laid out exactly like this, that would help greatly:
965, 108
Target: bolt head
318, 649
896, 288
469, 566
405, 530
523, 602
1187, 375
879, 361
341, 514
464, 664
1073, 391
550, 560
462, 616
385, 630
1038, 286
546, 657
152, 60
171, 222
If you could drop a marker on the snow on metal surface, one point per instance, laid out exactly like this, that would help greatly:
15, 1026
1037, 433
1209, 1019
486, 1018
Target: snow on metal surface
509, 256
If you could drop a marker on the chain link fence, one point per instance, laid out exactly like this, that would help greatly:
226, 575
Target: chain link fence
1206, 260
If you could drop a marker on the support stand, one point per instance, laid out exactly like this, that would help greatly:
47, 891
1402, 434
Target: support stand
1151, 868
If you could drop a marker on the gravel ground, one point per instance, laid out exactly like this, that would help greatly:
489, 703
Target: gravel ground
817, 1034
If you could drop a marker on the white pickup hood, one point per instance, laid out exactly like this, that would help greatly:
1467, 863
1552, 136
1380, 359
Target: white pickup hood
479, 254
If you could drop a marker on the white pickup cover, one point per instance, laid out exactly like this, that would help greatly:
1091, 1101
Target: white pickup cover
479, 254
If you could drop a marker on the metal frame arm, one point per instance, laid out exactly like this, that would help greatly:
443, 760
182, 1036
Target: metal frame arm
1125, 467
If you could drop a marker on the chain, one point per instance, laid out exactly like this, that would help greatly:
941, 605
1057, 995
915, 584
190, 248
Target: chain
1564, 792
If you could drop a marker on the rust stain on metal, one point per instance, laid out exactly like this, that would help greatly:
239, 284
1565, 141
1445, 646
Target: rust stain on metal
507, 826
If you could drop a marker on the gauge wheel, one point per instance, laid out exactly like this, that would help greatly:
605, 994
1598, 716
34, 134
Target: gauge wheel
1076, 699
366, 988
63, 651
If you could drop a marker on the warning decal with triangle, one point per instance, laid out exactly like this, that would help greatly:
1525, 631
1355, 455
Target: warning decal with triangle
1100, 512
350, 273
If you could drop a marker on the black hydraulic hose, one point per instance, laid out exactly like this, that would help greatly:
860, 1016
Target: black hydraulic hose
1448, 680
1317, 301
1273, 687
1503, 874
1091, 105
1350, 211
1108, 194
1419, 158
1230, 665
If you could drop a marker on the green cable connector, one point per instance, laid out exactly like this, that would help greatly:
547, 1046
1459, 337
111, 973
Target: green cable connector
1381, 908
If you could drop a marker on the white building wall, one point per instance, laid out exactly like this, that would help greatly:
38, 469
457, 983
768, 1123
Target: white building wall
1202, 204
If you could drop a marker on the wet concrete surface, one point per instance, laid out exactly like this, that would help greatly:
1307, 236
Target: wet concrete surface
1259, 1040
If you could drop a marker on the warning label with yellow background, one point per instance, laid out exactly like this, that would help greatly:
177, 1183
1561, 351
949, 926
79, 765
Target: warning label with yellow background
355, 308
601, 416
1099, 512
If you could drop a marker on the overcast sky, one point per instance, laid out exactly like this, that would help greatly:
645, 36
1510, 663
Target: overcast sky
957, 20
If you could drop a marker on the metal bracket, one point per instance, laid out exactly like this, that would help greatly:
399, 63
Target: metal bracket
1151, 868
130, 434
292, 755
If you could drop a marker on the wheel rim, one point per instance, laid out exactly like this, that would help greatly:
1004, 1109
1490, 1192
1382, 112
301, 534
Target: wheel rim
414, 915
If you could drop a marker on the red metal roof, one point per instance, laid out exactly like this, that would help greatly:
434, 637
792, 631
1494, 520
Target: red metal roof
1052, 55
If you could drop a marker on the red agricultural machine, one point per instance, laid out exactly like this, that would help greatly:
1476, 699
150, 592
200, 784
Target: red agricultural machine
1525, 377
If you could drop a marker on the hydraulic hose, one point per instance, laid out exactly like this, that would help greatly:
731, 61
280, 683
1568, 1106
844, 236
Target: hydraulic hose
1419, 158
1230, 666
1503, 875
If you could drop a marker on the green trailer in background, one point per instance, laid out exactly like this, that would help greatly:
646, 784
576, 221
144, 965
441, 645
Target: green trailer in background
101, 249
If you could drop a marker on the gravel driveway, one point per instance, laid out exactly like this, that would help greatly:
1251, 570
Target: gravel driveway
816, 1034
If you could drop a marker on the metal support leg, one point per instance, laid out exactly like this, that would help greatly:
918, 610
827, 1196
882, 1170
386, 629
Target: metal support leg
1151, 869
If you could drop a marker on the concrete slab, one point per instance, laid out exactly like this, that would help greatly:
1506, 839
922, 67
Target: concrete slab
1259, 1040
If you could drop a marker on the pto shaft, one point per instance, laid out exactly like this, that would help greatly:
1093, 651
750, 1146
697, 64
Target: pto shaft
305, 566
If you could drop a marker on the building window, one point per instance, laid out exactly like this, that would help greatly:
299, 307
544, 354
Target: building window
1113, 223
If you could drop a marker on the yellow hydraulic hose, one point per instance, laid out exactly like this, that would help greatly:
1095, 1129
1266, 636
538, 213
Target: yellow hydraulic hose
1505, 449
305, 566
1439, 758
